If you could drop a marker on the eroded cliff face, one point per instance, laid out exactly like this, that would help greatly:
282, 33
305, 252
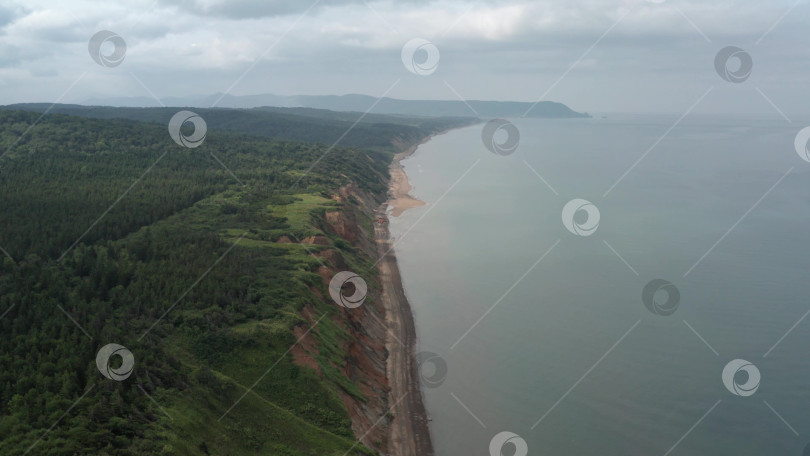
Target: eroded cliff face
365, 363
343, 224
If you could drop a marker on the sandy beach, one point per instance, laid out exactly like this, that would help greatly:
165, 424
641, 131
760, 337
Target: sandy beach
400, 188
409, 434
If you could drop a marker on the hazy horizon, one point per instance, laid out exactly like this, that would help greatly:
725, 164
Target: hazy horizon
732, 114
541, 227
622, 56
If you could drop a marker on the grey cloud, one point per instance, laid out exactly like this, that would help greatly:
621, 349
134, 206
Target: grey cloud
150, 31
9, 14
653, 60
10, 55
257, 9
59, 35
248, 9
44, 72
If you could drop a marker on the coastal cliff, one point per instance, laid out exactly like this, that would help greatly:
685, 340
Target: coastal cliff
391, 416
216, 280
379, 350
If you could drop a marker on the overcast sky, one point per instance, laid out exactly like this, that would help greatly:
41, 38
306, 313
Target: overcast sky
593, 55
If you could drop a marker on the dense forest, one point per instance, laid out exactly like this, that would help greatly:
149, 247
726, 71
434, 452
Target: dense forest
112, 233
372, 131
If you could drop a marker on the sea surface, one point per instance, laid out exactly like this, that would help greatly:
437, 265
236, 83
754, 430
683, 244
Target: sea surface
544, 332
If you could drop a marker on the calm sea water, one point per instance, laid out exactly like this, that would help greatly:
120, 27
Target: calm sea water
572, 341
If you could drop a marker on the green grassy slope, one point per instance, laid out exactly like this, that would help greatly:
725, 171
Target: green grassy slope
188, 241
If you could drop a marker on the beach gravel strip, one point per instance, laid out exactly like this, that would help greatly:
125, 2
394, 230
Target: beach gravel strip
409, 434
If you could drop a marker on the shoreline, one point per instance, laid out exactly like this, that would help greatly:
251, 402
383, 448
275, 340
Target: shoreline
409, 433
399, 188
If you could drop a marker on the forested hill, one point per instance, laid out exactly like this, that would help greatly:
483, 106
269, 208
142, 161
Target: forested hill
357, 102
113, 233
381, 132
